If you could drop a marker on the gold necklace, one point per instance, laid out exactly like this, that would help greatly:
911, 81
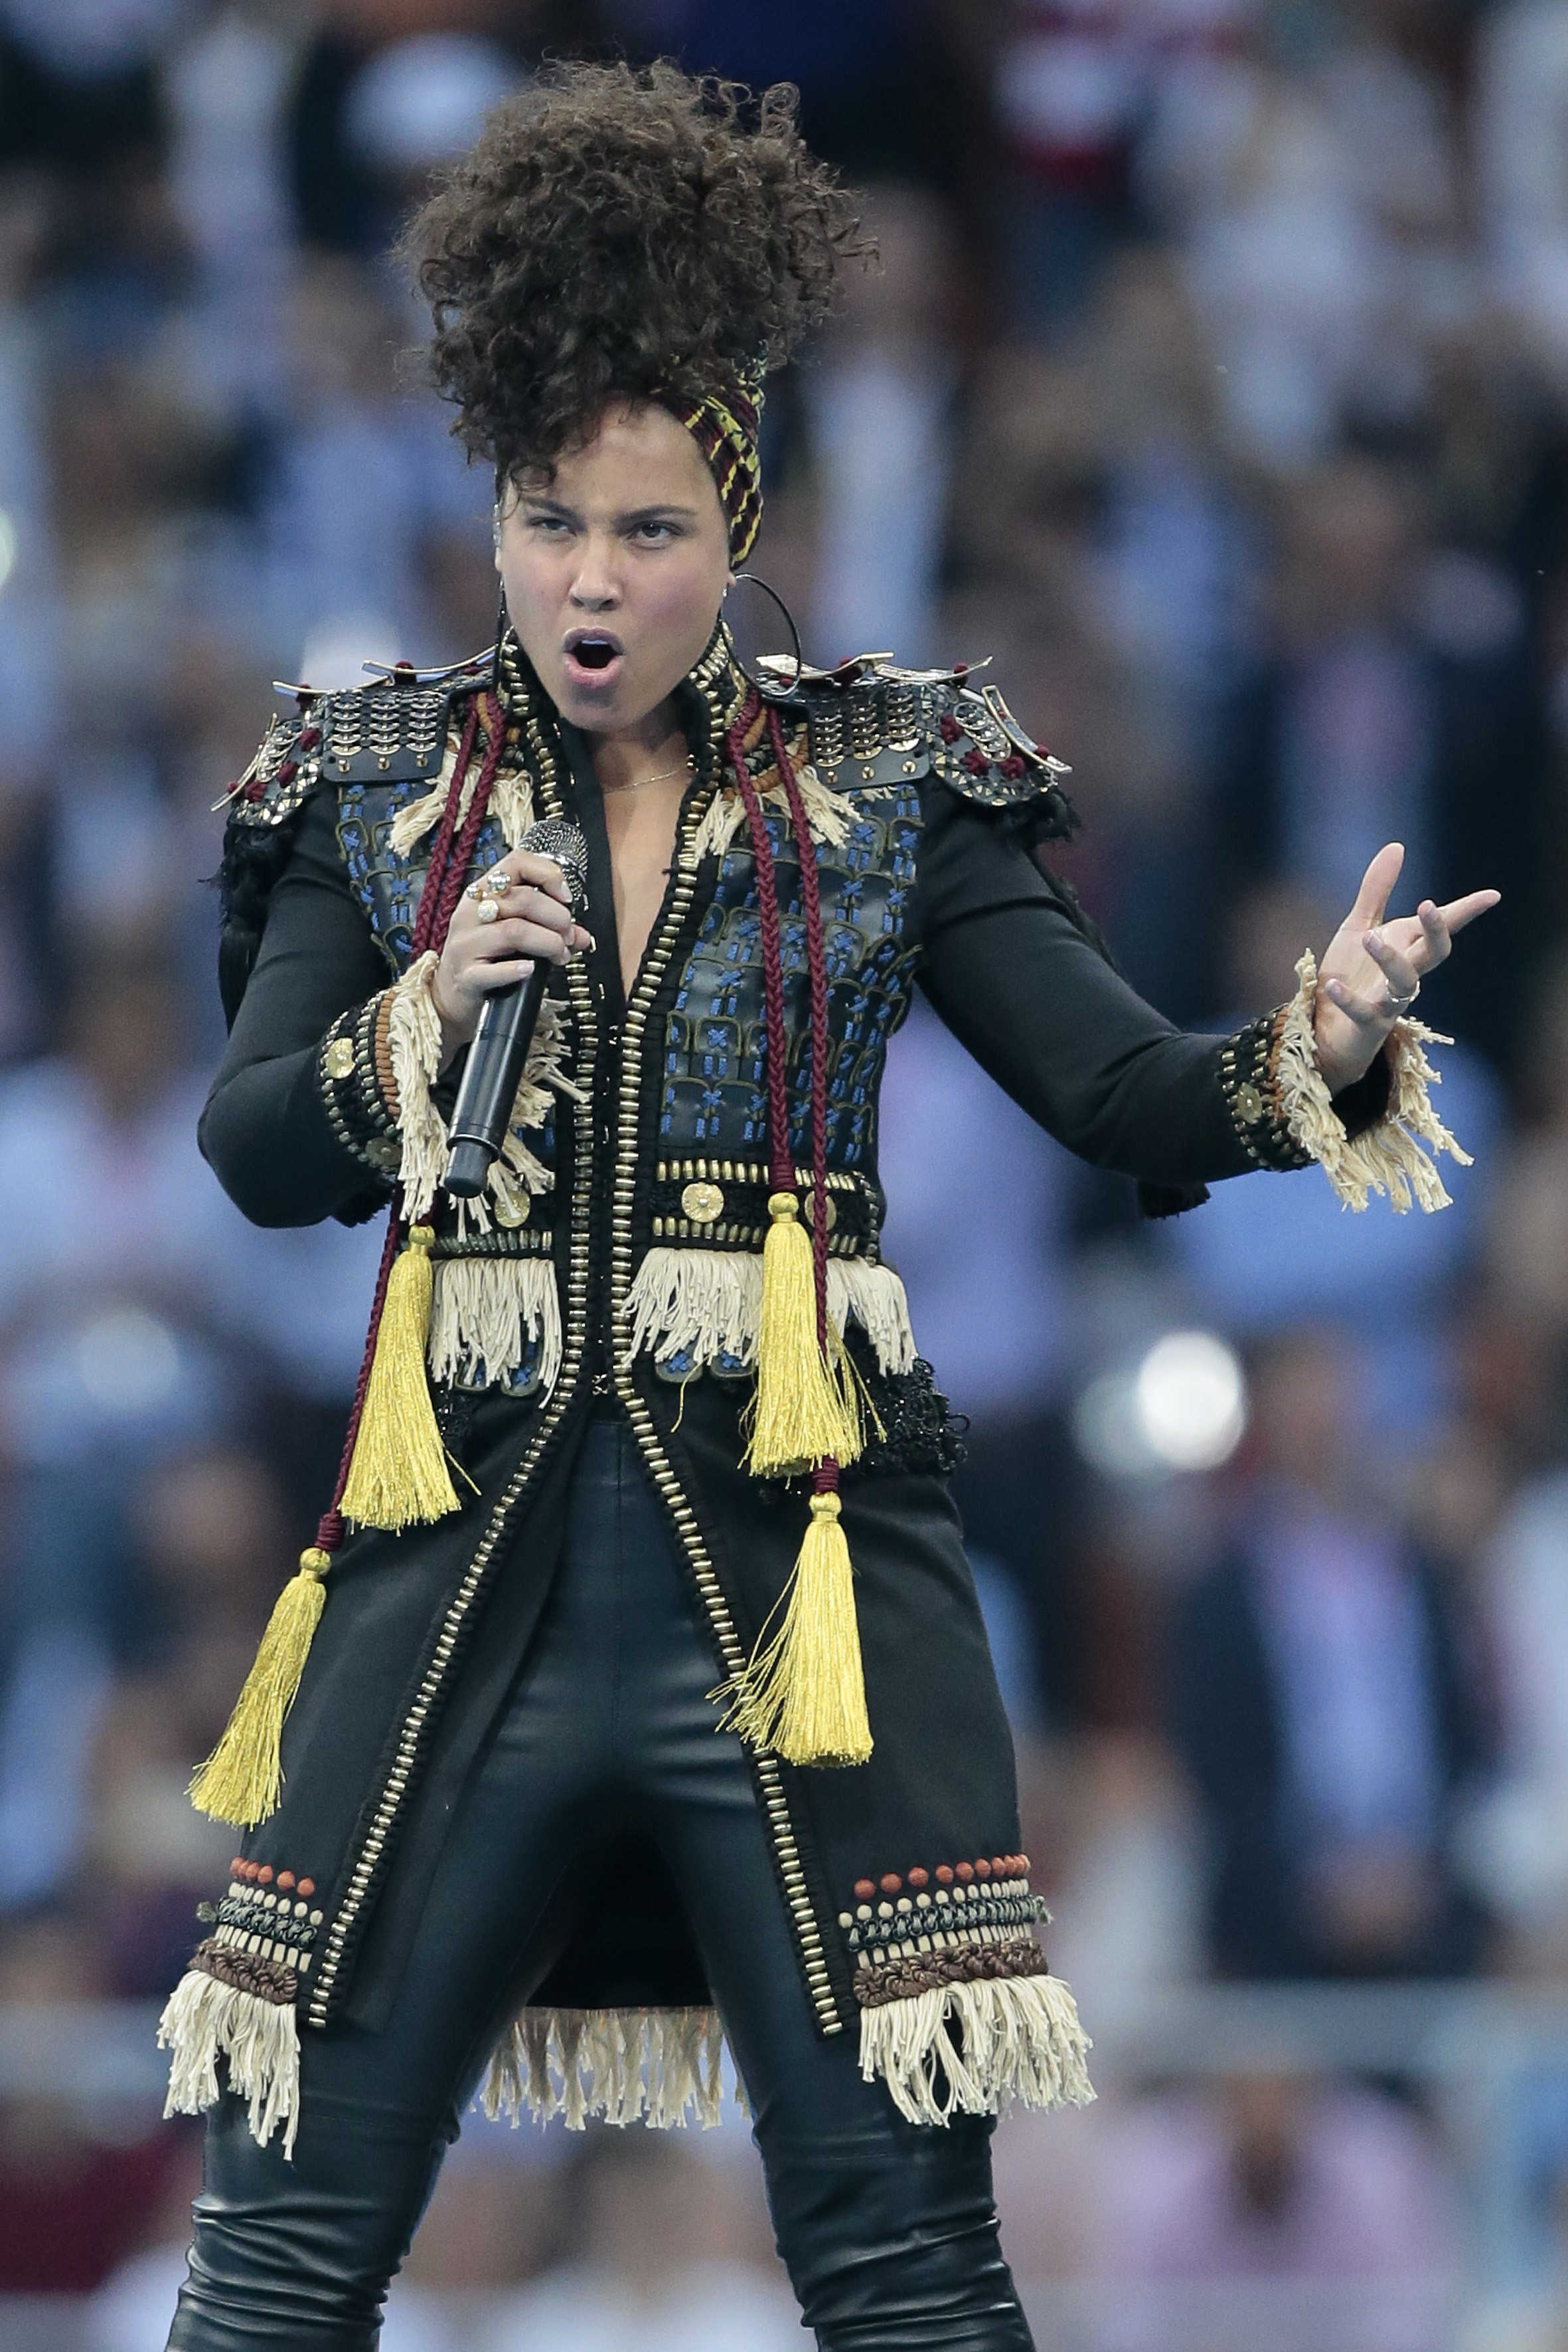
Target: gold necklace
635, 783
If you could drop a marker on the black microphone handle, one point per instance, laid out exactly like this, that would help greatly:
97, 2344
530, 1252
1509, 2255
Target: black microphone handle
490, 1080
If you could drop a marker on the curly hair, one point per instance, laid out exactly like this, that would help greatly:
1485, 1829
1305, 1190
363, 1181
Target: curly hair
621, 233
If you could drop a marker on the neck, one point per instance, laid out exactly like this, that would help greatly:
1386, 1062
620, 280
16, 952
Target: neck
625, 754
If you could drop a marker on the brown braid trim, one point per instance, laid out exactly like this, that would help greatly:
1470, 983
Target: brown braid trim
247, 1972
381, 1046
887, 1980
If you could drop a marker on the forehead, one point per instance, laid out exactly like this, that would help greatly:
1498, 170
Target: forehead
638, 456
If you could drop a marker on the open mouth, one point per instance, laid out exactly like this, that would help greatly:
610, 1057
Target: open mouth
592, 653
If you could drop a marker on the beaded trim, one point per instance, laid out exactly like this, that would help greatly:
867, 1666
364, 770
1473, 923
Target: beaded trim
902, 1980
723, 1203
246, 1971
960, 1910
353, 1070
267, 1917
1249, 1074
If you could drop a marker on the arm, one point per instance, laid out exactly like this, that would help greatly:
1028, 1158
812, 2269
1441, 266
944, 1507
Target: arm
292, 1140
1020, 977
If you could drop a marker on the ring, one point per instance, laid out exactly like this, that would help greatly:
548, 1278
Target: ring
1401, 1004
488, 909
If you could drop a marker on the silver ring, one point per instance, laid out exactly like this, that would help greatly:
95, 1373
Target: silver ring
1398, 1005
488, 911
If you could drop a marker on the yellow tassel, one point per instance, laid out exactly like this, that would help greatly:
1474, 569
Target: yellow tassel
399, 1470
243, 1778
804, 1692
807, 1406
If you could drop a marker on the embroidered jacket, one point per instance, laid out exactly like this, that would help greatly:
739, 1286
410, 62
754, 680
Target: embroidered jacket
618, 1253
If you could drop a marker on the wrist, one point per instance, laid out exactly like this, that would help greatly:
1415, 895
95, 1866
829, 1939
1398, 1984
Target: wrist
452, 1040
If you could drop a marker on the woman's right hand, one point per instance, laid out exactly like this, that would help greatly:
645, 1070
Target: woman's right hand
533, 922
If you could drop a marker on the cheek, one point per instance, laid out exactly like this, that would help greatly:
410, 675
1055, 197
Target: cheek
681, 603
533, 596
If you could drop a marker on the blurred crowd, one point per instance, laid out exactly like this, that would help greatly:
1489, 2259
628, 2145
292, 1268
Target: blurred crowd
1214, 380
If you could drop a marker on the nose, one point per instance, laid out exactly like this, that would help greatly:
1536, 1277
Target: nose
597, 587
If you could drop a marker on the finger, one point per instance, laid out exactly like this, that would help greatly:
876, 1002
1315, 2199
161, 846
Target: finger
491, 976
1435, 944
517, 936
1460, 911
1377, 882
527, 904
1354, 1008
543, 872
538, 906
1400, 973
518, 871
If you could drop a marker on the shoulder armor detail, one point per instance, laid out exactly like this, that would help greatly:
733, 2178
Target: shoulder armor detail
872, 725
393, 731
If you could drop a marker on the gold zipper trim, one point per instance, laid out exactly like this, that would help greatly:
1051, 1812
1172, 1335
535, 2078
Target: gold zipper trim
396, 1787
781, 1829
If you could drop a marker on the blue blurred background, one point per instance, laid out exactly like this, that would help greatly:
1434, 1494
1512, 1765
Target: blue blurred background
1215, 382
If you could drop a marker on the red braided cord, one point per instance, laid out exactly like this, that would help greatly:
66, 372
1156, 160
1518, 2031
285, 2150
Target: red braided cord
424, 918
816, 967
437, 903
780, 1158
458, 866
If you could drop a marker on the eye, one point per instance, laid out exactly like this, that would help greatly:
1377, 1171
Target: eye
548, 526
652, 533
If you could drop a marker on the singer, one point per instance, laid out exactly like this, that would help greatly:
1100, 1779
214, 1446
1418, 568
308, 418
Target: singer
634, 1692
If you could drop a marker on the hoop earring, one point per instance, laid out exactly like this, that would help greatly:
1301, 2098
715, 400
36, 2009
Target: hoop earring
503, 622
756, 580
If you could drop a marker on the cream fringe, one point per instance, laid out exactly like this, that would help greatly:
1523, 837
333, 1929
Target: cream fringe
711, 1301
1387, 1158
412, 822
629, 2065
1022, 2046
481, 1311
512, 800
827, 813
204, 2020
413, 1037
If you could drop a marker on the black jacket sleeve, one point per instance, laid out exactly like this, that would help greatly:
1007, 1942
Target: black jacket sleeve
265, 1130
1015, 974
1021, 977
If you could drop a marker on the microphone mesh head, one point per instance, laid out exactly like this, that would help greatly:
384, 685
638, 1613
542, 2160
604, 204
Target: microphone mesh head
558, 838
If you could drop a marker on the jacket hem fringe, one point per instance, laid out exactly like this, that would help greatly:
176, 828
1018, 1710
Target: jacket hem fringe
658, 2066
1019, 2043
204, 2020
484, 1310
1387, 1158
711, 1301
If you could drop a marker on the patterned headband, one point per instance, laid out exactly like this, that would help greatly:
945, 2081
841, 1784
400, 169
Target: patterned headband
725, 424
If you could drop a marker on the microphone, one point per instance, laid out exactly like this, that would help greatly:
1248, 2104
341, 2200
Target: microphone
498, 1055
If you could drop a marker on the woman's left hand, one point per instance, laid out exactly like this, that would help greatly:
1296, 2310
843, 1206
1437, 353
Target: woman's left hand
1373, 970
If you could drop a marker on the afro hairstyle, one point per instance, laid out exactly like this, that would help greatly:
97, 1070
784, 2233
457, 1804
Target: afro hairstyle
622, 233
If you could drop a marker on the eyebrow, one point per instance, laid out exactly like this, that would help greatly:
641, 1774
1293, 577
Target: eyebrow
543, 502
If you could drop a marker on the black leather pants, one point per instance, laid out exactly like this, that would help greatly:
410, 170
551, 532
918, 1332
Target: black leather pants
888, 2229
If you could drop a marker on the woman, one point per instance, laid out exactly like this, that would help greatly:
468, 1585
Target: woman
627, 1416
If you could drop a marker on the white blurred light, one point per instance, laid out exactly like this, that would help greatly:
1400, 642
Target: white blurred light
1183, 1407
127, 1360
1105, 1427
1191, 1400
7, 546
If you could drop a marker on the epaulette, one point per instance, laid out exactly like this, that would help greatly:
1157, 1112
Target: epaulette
391, 730
871, 725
